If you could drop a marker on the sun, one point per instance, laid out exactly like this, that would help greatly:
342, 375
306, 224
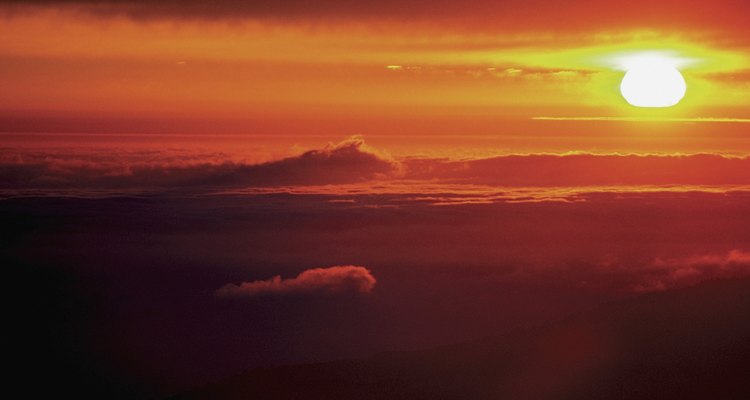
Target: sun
654, 83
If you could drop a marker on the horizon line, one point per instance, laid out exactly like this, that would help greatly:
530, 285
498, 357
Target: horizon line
646, 119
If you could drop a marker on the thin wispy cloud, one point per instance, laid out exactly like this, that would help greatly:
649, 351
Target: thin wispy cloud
648, 119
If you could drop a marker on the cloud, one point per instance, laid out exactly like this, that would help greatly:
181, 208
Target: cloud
546, 15
337, 279
733, 257
346, 162
586, 169
731, 78
649, 119
685, 271
353, 165
511, 72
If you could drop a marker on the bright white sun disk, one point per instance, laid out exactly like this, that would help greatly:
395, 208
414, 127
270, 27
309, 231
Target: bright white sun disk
653, 83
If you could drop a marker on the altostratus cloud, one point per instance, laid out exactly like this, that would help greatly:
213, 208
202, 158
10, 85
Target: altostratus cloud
336, 279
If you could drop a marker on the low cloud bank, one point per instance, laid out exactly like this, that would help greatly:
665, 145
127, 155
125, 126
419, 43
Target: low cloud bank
352, 161
349, 161
586, 169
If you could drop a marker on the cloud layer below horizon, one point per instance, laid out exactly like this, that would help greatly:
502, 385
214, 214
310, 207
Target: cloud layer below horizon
175, 268
353, 162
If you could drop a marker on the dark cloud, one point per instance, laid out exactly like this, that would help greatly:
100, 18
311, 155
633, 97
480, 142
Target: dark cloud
578, 169
667, 273
337, 279
636, 274
353, 161
348, 161
508, 16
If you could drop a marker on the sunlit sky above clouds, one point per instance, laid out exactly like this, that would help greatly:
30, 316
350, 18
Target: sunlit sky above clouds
541, 68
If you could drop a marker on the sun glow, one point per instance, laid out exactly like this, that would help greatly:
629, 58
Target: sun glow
653, 82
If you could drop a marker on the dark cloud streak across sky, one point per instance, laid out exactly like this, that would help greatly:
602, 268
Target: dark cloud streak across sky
535, 15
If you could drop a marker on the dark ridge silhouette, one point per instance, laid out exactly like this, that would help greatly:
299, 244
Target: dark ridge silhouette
691, 343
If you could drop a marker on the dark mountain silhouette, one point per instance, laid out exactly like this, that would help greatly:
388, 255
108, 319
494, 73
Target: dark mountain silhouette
691, 343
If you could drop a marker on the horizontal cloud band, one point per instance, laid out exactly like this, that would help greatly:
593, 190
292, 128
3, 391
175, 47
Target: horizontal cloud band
352, 161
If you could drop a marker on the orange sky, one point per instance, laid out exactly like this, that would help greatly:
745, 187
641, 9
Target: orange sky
475, 158
395, 68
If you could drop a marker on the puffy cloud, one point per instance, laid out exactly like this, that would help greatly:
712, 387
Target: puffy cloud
675, 272
337, 279
733, 257
348, 161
